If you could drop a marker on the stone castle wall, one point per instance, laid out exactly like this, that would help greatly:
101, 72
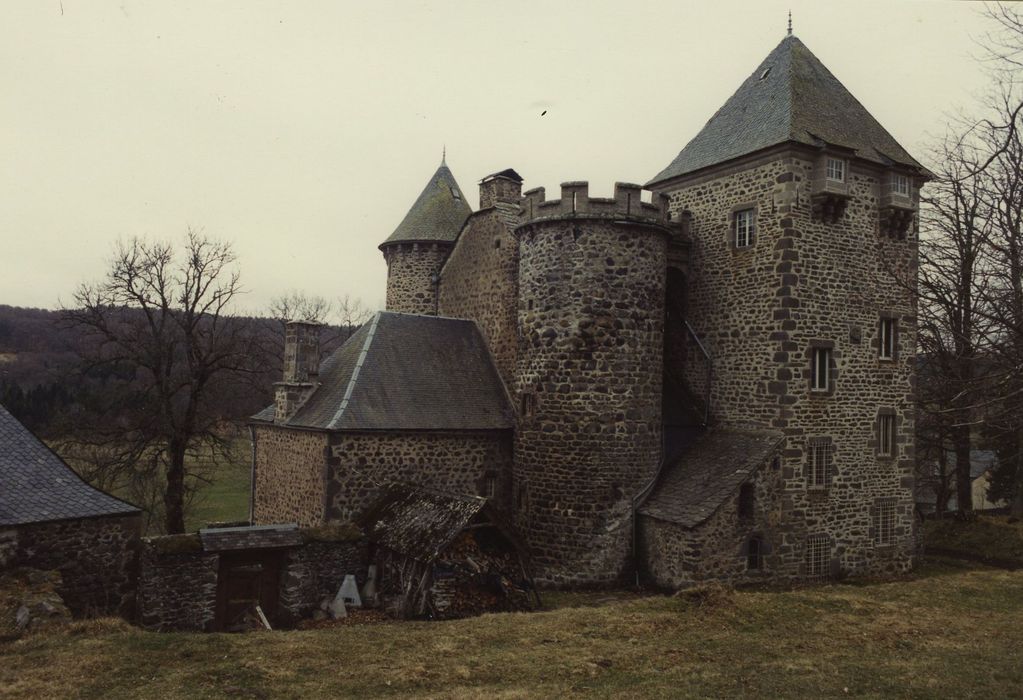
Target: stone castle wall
290, 473
459, 462
760, 310
675, 557
412, 273
97, 559
588, 378
480, 281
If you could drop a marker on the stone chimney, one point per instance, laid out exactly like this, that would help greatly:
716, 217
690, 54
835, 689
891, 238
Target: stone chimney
505, 186
301, 368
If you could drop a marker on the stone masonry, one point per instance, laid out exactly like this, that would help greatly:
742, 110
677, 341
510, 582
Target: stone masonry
588, 377
290, 483
832, 282
467, 462
412, 273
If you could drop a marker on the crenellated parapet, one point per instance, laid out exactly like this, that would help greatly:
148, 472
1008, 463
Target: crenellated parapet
576, 202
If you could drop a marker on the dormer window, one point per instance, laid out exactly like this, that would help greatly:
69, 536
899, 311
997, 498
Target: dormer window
900, 185
836, 170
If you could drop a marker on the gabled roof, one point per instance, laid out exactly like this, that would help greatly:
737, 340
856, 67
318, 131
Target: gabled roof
420, 523
37, 486
790, 97
437, 215
709, 473
407, 372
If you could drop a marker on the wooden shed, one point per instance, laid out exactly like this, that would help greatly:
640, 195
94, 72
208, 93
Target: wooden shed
444, 556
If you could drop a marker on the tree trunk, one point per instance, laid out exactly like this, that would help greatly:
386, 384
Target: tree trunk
174, 497
964, 485
1016, 504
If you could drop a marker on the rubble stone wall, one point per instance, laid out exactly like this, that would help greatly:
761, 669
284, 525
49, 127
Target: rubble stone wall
760, 310
97, 559
316, 571
412, 273
290, 473
177, 584
459, 462
480, 281
588, 384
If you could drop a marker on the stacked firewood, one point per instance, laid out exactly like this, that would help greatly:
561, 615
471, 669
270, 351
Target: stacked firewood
469, 580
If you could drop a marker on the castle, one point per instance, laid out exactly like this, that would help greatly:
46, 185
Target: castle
714, 381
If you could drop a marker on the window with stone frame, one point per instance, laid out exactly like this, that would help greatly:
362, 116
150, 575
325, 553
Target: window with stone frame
820, 462
820, 369
836, 169
528, 401
886, 339
900, 185
886, 433
818, 558
744, 227
884, 522
754, 554
747, 501
489, 486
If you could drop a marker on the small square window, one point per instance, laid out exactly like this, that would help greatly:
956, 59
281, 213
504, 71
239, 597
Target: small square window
900, 185
836, 170
886, 339
744, 228
886, 435
820, 370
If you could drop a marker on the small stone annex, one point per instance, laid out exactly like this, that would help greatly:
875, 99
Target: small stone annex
706, 377
51, 520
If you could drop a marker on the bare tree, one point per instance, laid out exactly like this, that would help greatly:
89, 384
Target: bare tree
351, 314
161, 317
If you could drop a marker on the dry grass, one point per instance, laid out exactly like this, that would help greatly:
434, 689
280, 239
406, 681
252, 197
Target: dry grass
952, 631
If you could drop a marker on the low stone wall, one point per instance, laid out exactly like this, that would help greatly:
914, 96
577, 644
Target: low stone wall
177, 588
97, 559
178, 579
316, 570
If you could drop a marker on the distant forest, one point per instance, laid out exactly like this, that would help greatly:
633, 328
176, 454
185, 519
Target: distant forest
44, 384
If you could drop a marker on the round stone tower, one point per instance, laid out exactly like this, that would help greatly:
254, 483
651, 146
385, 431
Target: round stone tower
588, 376
419, 246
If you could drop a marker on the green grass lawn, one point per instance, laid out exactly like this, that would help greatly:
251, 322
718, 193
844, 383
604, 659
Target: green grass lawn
951, 631
226, 497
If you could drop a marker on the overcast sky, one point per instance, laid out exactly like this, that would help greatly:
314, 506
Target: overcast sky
303, 131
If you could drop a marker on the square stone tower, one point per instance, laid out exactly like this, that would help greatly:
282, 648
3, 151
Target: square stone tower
803, 257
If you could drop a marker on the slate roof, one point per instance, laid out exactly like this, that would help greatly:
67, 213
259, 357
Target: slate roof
224, 539
407, 372
709, 473
437, 215
37, 486
791, 96
419, 523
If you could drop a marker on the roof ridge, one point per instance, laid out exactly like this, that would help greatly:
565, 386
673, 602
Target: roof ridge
355, 372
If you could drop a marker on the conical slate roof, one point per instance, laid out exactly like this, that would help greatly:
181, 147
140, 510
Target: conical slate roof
437, 215
791, 96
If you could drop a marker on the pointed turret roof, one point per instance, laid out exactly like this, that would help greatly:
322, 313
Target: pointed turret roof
791, 96
437, 215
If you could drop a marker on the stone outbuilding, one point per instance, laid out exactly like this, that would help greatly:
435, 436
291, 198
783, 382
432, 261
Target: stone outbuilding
51, 519
408, 398
445, 556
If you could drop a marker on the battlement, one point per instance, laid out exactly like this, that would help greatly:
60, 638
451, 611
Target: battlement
576, 202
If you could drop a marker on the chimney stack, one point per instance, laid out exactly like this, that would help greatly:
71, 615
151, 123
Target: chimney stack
301, 368
505, 186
